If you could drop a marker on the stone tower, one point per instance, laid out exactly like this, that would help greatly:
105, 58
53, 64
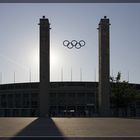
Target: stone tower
44, 66
104, 67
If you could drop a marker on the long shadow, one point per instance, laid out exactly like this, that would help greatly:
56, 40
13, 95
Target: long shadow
41, 128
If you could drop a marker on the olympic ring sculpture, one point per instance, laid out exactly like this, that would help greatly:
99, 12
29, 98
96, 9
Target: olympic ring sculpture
74, 43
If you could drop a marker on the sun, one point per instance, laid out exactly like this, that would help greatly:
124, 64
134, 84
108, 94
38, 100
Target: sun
54, 58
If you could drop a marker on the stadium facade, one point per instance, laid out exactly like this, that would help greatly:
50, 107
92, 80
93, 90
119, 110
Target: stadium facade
77, 99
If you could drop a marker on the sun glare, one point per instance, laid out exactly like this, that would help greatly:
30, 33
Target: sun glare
53, 58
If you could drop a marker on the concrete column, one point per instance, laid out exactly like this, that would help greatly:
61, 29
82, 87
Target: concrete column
44, 66
104, 67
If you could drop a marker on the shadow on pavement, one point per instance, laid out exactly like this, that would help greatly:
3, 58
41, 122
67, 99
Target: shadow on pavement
46, 129
39, 129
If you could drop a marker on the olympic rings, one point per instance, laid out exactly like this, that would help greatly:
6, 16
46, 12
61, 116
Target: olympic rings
74, 43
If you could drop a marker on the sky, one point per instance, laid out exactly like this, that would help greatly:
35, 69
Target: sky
19, 41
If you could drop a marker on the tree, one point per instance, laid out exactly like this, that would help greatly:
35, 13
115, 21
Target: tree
122, 94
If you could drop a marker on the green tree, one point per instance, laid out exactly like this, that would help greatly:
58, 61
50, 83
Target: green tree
122, 94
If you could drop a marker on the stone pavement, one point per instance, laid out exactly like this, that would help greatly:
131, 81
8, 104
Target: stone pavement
70, 127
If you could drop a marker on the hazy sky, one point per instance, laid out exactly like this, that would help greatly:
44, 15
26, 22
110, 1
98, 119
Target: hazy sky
19, 40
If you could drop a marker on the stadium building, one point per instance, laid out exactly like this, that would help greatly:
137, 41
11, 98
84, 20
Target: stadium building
77, 99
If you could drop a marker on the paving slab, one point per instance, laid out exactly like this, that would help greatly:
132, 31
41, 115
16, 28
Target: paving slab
69, 127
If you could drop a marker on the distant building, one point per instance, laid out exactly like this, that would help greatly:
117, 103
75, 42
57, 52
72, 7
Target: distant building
77, 99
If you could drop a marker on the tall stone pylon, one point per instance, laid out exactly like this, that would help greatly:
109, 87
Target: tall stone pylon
104, 67
44, 66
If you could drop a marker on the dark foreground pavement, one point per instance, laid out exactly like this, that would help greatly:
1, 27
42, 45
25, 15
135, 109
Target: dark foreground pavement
69, 128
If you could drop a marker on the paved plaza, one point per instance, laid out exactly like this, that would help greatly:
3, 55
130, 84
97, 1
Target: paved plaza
69, 127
